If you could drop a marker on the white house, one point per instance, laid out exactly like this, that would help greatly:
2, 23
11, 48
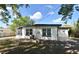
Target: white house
43, 31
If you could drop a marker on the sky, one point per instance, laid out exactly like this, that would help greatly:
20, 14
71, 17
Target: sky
43, 14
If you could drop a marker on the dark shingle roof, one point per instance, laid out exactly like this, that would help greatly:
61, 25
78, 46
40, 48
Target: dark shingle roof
40, 25
47, 25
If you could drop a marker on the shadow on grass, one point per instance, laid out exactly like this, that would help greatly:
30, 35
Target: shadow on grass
45, 47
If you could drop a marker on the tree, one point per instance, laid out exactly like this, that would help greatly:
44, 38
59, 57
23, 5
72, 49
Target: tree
74, 31
22, 21
67, 10
77, 25
5, 14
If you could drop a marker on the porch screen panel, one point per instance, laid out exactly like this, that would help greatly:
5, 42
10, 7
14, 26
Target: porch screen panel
19, 32
48, 32
28, 31
43, 32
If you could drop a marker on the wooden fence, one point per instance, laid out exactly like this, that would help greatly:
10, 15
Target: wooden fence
7, 34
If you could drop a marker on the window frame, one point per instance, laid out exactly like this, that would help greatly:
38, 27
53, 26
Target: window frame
47, 32
29, 31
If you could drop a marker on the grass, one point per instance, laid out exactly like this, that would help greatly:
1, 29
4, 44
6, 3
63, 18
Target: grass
42, 47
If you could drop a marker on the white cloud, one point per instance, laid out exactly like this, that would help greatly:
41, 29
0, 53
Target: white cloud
49, 6
58, 20
50, 13
36, 16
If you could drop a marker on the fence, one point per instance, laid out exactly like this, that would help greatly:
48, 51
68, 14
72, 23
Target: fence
6, 34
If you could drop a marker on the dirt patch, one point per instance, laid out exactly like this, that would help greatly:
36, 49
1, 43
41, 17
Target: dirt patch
41, 47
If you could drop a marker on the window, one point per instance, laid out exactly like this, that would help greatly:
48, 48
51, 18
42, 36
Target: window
19, 32
28, 31
46, 32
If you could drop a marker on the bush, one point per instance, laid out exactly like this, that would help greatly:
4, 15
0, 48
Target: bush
76, 34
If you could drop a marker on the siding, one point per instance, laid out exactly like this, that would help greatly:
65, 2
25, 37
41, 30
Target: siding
62, 33
37, 32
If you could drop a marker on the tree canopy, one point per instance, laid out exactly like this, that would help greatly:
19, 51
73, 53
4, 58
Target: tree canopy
67, 10
5, 14
74, 31
22, 21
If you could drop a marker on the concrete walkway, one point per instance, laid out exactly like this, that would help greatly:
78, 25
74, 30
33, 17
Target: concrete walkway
3, 38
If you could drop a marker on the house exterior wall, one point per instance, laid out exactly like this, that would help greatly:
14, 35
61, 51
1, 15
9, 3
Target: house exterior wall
63, 34
39, 36
23, 33
56, 33
37, 32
